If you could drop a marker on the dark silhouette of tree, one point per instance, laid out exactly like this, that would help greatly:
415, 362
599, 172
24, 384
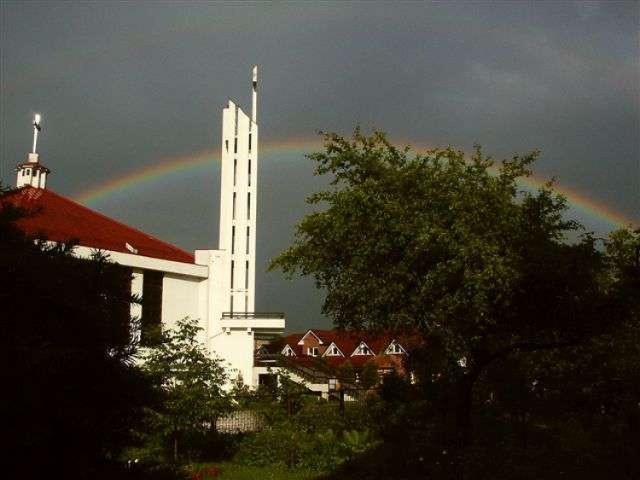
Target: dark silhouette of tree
73, 390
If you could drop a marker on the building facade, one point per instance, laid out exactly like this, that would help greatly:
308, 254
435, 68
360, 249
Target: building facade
217, 287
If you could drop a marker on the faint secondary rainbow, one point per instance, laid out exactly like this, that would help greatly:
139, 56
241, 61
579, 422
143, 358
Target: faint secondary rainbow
169, 167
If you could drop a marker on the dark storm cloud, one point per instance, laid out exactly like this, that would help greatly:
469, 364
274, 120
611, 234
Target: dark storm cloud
126, 84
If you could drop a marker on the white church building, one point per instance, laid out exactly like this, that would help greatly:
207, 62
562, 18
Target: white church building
217, 287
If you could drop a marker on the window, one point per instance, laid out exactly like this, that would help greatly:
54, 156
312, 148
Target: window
226, 145
247, 240
267, 380
313, 351
231, 304
235, 145
246, 303
249, 172
233, 208
246, 275
333, 384
333, 351
248, 206
249, 142
151, 320
233, 239
235, 170
232, 266
288, 351
394, 349
363, 350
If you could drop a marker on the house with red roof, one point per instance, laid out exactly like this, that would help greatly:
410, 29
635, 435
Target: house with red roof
217, 287
328, 358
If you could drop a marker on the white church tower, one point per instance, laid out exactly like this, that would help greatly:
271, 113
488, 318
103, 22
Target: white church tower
234, 329
239, 174
32, 172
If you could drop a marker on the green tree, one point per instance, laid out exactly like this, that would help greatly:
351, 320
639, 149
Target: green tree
448, 245
191, 384
346, 373
369, 375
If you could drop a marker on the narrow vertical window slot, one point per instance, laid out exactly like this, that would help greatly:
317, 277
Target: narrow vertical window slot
231, 303
235, 170
246, 275
232, 267
249, 142
233, 207
233, 239
249, 172
235, 145
248, 206
247, 241
235, 121
246, 303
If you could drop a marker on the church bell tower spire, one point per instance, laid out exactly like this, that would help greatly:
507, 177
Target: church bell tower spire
238, 202
32, 172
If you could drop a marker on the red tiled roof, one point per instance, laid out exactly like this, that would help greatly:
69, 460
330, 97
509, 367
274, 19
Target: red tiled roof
347, 341
59, 219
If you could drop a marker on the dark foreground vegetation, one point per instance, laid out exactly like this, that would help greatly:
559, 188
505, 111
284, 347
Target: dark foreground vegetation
530, 365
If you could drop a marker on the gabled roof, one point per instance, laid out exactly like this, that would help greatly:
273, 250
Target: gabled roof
59, 219
310, 332
327, 352
288, 348
360, 345
396, 343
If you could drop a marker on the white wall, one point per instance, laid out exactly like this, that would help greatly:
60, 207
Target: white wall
234, 346
180, 299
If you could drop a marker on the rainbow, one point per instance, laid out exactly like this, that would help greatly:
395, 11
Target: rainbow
581, 202
171, 166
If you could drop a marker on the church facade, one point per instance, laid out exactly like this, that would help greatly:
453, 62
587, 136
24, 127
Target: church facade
217, 287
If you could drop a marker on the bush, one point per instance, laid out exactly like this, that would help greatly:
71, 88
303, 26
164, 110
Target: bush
314, 436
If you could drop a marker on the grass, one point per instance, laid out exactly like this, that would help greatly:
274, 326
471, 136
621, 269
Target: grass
233, 471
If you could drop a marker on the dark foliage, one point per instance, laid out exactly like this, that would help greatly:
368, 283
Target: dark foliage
71, 387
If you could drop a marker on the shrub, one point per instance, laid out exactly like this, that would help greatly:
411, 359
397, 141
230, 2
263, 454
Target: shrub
316, 436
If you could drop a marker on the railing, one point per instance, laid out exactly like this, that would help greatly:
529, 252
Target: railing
253, 315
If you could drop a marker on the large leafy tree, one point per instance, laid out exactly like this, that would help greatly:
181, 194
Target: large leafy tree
450, 246
72, 390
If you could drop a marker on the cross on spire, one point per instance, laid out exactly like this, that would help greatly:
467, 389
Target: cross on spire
32, 173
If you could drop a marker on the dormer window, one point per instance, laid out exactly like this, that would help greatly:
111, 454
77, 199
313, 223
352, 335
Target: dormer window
287, 351
395, 348
362, 349
313, 351
333, 351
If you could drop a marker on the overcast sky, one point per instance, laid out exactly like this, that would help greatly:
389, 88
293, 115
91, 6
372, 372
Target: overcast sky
128, 84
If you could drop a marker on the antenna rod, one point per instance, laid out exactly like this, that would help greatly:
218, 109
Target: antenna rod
36, 129
254, 105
